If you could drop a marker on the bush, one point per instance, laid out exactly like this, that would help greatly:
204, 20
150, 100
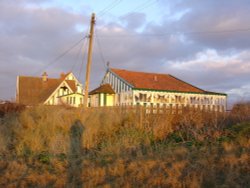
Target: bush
8, 108
240, 113
44, 157
122, 149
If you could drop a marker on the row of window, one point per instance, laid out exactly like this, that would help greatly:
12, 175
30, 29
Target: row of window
72, 100
177, 99
171, 106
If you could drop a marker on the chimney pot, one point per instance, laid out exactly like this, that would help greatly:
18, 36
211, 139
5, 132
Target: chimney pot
62, 75
44, 76
155, 78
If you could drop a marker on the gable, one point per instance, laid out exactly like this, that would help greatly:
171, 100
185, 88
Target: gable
71, 76
117, 83
65, 83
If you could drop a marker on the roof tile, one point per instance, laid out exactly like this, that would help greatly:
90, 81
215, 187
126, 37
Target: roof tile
105, 88
153, 81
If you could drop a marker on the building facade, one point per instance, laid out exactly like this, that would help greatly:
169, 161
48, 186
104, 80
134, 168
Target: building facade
66, 90
102, 96
151, 89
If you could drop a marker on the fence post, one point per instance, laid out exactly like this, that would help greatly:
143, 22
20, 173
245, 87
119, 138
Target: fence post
141, 116
176, 108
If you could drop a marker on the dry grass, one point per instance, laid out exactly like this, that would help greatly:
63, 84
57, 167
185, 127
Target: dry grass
124, 149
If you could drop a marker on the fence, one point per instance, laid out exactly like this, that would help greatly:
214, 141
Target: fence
176, 109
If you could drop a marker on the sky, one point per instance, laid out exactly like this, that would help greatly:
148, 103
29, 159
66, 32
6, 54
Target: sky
205, 43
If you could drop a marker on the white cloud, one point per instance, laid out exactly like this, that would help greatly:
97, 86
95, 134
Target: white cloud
211, 60
39, 31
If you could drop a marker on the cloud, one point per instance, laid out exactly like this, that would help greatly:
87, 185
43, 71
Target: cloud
134, 20
211, 70
213, 15
31, 35
211, 60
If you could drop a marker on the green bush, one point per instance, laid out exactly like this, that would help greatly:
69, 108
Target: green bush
44, 157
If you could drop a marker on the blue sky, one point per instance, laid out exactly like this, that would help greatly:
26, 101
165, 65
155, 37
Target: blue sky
206, 43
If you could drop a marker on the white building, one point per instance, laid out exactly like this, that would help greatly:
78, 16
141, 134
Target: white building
66, 90
152, 89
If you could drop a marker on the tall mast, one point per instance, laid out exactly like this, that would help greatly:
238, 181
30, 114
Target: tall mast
91, 34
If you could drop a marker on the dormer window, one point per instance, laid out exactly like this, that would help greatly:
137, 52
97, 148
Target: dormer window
64, 88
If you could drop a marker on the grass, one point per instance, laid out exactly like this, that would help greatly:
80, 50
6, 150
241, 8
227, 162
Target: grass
48, 147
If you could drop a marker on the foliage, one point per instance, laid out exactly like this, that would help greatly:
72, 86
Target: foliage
122, 149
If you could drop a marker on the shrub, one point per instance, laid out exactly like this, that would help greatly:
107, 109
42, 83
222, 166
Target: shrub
123, 149
9, 107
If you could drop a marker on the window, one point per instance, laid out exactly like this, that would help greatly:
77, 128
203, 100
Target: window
143, 97
116, 90
123, 86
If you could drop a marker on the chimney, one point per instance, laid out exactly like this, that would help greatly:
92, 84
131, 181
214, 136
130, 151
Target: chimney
62, 75
155, 78
45, 77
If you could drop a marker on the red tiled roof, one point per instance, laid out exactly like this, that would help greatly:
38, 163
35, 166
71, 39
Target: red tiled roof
105, 88
33, 90
153, 81
64, 75
72, 85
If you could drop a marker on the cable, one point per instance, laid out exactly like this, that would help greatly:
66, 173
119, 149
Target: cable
51, 62
217, 32
109, 7
78, 55
83, 55
100, 50
177, 33
141, 7
59, 57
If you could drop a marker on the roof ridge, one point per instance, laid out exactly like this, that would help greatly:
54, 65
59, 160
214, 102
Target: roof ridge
21, 76
139, 71
65, 75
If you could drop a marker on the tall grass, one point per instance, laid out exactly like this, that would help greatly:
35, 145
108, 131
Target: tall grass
125, 148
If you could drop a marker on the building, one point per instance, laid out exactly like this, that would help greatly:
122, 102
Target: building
152, 89
66, 90
102, 96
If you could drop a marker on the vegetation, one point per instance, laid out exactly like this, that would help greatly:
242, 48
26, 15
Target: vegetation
61, 146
